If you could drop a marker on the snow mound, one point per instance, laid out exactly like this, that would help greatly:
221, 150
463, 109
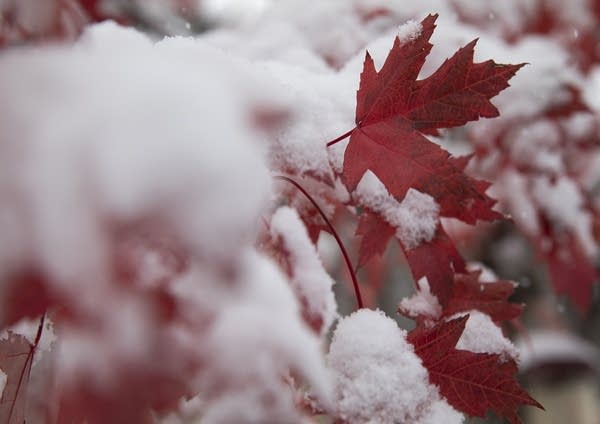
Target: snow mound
378, 378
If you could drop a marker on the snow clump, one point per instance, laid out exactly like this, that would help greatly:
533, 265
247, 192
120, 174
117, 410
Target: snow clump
377, 376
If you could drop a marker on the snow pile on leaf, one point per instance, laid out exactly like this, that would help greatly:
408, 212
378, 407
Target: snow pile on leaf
415, 218
483, 336
378, 377
310, 281
254, 343
136, 180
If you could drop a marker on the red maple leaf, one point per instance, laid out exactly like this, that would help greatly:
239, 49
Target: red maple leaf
394, 110
488, 297
472, 383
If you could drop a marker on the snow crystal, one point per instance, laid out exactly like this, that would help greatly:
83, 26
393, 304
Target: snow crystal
3, 378
482, 335
409, 31
422, 303
378, 378
310, 281
415, 218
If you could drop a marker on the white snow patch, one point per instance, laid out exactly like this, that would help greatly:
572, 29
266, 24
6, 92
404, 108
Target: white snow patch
441, 412
409, 31
378, 378
422, 303
28, 328
3, 379
310, 281
258, 337
514, 188
482, 335
415, 218
563, 202
537, 145
551, 346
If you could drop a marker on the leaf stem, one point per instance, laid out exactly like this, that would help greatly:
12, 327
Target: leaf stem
359, 300
27, 366
341, 137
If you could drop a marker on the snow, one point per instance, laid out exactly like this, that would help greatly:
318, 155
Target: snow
422, 303
513, 187
257, 336
116, 129
139, 139
3, 379
487, 274
551, 346
537, 145
310, 281
409, 31
377, 376
28, 328
482, 335
415, 217
564, 203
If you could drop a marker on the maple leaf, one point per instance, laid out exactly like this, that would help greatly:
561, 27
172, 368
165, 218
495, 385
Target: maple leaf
488, 297
16, 354
394, 111
438, 260
471, 382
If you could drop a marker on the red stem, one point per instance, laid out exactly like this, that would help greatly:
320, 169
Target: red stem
27, 366
335, 235
341, 137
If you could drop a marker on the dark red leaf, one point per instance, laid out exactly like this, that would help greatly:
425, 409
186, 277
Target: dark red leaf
472, 383
435, 342
438, 260
394, 110
490, 297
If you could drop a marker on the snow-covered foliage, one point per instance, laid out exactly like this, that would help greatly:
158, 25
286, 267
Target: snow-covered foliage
377, 376
167, 168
